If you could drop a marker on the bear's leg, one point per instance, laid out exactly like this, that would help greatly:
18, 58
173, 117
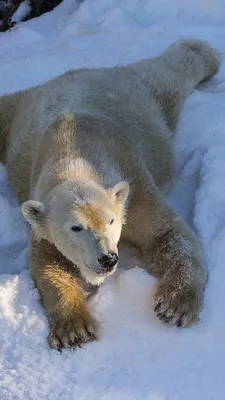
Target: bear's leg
62, 296
172, 253
177, 72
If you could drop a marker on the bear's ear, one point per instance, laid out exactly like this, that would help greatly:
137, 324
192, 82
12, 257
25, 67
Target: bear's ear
120, 192
33, 212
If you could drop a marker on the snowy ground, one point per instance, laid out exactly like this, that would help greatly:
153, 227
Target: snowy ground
138, 358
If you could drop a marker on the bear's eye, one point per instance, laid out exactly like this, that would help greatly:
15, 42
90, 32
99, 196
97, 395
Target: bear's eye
76, 228
111, 222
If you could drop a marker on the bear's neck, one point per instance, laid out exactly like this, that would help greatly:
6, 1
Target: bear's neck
55, 172
60, 158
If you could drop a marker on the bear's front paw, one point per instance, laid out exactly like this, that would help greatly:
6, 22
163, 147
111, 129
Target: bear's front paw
177, 304
73, 332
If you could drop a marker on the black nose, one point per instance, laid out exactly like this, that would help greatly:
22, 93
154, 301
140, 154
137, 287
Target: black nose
108, 261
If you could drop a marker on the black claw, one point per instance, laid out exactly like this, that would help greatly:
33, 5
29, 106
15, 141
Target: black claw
54, 342
92, 335
72, 345
179, 323
161, 315
180, 320
168, 319
78, 343
157, 307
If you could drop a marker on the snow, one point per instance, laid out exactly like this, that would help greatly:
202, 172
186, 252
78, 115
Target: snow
138, 358
22, 11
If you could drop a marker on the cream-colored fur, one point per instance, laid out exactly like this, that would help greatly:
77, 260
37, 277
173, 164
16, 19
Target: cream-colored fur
73, 146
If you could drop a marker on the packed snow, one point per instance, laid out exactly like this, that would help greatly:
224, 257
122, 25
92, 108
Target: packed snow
138, 358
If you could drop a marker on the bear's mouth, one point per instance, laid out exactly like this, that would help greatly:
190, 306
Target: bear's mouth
104, 273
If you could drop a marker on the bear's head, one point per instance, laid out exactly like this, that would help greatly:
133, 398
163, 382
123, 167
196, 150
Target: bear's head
84, 221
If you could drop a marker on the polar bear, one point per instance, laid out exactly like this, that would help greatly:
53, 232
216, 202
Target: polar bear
90, 157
